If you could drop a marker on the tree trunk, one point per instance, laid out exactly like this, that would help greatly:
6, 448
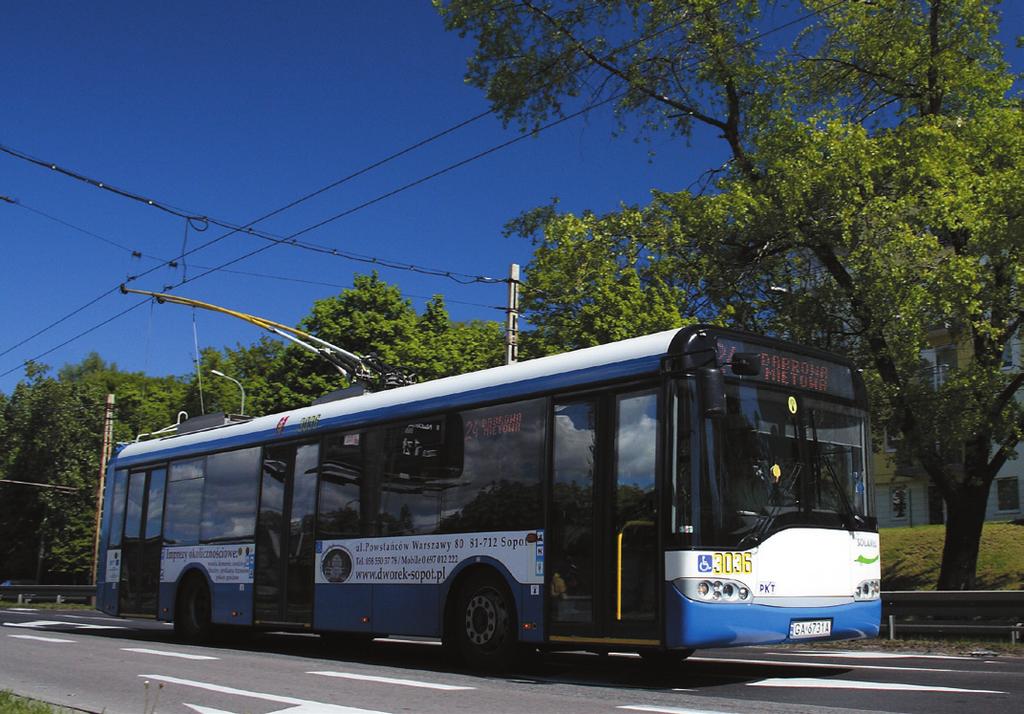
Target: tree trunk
964, 520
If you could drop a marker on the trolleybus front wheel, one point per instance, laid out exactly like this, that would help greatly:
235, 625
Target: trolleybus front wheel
192, 621
485, 623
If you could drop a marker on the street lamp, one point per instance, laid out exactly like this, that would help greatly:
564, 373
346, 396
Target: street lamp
232, 379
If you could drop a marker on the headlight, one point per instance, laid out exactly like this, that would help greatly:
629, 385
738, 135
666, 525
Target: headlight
868, 590
713, 590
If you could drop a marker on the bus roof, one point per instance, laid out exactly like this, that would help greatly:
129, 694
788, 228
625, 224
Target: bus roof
619, 360
627, 359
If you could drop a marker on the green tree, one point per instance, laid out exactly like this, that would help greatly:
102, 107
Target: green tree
371, 319
444, 348
142, 403
52, 438
873, 194
50, 434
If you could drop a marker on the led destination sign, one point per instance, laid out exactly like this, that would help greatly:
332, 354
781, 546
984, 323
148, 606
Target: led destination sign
790, 369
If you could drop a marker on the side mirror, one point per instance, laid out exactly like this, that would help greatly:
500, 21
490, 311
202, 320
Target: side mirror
746, 364
712, 391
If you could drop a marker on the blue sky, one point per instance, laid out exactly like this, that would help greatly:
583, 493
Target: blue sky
233, 109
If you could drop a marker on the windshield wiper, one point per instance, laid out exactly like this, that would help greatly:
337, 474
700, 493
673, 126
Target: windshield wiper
782, 487
849, 517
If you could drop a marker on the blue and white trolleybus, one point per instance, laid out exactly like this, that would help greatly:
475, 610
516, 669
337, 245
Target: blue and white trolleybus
694, 488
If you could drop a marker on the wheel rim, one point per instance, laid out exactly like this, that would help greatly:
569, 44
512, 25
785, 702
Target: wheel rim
485, 618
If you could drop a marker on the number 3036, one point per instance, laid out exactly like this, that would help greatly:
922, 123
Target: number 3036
734, 563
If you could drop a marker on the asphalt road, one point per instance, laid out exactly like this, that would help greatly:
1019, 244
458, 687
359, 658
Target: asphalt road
87, 661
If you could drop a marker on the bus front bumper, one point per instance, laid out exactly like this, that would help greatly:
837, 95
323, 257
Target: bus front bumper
692, 624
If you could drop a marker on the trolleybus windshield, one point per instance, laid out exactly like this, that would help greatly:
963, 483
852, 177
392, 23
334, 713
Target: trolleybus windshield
777, 459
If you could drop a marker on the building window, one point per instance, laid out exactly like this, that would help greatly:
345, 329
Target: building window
1008, 494
899, 498
892, 439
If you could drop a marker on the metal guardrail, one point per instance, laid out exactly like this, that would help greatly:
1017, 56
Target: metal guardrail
57, 593
954, 612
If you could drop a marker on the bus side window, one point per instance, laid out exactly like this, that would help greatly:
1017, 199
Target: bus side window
341, 483
184, 502
502, 458
117, 508
414, 467
230, 495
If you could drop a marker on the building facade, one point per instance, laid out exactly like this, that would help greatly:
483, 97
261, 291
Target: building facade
904, 495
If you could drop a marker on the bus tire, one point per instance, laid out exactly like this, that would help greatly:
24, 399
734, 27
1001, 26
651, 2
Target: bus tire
192, 611
484, 624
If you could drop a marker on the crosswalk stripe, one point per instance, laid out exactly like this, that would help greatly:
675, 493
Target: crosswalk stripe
165, 653
392, 680
816, 665
39, 639
667, 710
811, 683
296, 705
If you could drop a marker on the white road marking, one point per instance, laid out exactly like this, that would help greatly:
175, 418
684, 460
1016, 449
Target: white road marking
391, 680
399, 640
38, 638
20, 609
870, 655
817, 665
164, 653
35, 624
205, 710
667, 710
95, 617
298, 706
809, 683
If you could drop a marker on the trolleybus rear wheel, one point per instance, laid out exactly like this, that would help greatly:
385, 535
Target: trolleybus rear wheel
192, 621
485, 623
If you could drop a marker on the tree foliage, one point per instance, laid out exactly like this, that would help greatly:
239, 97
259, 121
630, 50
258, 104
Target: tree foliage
371, 319
872, 202
51, 426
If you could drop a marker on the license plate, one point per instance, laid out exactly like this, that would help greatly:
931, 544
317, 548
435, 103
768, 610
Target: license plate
809, 628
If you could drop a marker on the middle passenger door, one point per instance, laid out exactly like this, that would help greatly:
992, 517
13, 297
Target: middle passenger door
285, 535
602, 547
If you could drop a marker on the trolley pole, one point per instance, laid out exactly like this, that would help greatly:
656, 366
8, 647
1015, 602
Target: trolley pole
512, 319
108, 438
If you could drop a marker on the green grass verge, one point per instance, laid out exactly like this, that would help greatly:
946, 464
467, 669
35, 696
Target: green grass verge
10, 704
952, 646
911, 557
46, 606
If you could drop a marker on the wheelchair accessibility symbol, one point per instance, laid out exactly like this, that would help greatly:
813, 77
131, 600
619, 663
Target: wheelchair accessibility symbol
704, 564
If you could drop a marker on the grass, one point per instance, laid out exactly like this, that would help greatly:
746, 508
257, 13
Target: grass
10, 704
45, 606
911, 557
952, 646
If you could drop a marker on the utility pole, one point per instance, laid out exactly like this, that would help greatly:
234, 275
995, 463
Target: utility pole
108, 438
512, 318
